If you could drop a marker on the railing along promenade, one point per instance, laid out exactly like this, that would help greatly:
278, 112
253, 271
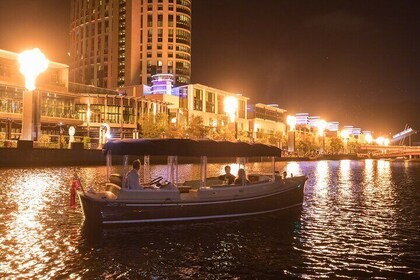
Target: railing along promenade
391, 151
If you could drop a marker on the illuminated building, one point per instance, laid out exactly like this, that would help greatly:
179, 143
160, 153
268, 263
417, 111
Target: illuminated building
63, 104
313, 121
302, 119
266, 120
115, 43
333, 126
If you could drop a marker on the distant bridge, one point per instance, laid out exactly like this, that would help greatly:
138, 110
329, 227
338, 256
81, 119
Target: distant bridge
391, 151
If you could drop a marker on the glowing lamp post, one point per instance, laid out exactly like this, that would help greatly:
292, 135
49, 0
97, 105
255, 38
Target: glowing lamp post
291, 122
231, 107
369, 138
32, 63
345, 134
380, 141
322, 125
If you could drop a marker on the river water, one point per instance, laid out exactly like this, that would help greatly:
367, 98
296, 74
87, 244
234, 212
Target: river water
360, 219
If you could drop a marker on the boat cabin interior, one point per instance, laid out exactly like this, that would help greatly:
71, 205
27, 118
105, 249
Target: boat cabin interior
169, 189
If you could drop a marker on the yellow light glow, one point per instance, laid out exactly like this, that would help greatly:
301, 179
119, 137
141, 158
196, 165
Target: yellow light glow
231, 106
386, 141
380, 141
369, 138
291, 121
32, 63
345, 134
173, 120
88, 114
322, 125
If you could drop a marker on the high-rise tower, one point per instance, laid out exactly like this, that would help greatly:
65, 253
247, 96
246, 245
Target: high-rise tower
125, 42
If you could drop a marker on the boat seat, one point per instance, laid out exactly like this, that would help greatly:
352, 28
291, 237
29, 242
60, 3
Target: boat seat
209, 182
116, 179
221, 191
158, 195
114, 188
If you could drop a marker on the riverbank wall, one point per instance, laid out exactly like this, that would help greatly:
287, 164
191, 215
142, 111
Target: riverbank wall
15, 157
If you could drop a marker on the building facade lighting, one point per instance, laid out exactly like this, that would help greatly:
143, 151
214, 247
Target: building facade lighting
32, 63
291, 122
231, 107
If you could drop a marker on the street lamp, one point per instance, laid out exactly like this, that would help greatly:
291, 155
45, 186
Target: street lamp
322, 125
345, 134
231, 108
369, 138
88, 115
32, 63
291, 122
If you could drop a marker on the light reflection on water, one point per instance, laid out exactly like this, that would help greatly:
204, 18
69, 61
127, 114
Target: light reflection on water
359, 219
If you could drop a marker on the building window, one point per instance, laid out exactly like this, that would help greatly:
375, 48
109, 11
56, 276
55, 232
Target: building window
149, 20
210, 102
198, 100
160, 20
170, 20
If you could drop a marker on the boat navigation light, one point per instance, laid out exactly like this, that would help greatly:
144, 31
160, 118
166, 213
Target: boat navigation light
32, 63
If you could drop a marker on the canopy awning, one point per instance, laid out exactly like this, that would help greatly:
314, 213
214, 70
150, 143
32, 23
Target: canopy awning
189, 148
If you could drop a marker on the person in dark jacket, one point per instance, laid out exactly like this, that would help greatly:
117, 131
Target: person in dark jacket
228, 178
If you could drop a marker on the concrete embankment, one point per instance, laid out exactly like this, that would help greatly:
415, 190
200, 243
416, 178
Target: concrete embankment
12, 157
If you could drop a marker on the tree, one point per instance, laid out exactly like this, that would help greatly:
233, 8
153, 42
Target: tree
222, 133
175, 131
335, 145
275, 139
196, 128
154, 126
353, 146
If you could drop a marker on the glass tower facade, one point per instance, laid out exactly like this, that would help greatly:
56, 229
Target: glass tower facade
117, 43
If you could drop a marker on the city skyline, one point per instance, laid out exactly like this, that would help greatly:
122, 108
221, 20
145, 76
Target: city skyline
349, 62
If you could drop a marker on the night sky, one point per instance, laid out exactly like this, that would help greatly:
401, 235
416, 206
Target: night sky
357, 62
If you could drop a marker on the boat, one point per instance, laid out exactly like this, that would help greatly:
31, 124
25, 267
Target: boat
167, 200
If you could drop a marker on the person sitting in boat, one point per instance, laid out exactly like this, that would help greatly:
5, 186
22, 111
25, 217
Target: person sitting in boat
228, 178
132, 180
242, 179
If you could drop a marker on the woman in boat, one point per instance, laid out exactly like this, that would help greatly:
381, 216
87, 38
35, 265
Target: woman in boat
132, 180
242, 179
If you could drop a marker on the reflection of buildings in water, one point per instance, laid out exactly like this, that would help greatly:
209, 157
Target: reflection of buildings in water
293, 168
352, 217
369, 176
26, 230
345, 184
322, 175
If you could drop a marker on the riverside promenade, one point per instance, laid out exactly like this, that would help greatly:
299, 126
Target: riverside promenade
45, 157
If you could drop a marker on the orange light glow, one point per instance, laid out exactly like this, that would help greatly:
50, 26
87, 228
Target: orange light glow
369, 138
291, 121
345, 134
231, 106
322, 125
32, 63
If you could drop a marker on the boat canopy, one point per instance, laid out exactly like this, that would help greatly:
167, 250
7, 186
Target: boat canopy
189, 148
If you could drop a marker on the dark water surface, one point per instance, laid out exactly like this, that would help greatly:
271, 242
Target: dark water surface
360, 219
